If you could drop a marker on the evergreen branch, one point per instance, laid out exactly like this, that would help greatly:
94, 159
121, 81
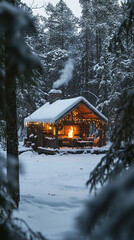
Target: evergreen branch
121, 154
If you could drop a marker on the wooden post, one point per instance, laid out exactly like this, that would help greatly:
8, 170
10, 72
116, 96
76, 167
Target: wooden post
41, 134
56, 136
81, 130
87, 130
100, 135
104, 139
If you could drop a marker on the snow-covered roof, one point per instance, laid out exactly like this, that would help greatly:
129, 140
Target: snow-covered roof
52, 113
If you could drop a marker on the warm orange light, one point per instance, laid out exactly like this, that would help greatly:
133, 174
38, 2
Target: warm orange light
50, 127
70, 134
26, 124
36, 123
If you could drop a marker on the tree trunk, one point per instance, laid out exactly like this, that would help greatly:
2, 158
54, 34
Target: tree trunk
11, 123
11, 131
62, 30
97, 46
87, 65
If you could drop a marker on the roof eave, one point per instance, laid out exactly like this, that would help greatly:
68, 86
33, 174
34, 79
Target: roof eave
102, 117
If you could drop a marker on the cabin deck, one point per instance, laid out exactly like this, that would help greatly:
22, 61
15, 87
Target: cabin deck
64, 150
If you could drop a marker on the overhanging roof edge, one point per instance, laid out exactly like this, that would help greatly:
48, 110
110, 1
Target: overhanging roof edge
87, 105
77, 102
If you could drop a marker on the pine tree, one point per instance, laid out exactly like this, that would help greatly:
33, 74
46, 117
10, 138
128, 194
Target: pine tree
87, 38
33, 91
98, 22
121, 153
106, 15
62, 36
16, 61
118, 64
61, 26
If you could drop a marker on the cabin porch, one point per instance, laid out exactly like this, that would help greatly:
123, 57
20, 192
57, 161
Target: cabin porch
80, 135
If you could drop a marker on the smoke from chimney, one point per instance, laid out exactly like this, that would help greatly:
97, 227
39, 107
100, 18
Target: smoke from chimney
66, 74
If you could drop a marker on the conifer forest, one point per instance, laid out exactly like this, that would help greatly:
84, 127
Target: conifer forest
91, 56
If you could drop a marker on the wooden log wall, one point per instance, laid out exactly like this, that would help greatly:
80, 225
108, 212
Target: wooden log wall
39, 135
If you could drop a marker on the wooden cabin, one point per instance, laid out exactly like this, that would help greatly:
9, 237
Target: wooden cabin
70, 122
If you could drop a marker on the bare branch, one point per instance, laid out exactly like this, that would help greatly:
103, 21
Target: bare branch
36, 6
32, 3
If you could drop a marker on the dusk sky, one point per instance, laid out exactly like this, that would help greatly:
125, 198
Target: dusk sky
72, 4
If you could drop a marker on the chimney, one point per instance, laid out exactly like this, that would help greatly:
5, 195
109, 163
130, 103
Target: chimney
54, 95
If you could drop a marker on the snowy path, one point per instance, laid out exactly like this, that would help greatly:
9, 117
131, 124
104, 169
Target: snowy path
53, 191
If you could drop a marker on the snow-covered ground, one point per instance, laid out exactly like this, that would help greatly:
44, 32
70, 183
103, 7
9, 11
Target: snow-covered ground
53, 191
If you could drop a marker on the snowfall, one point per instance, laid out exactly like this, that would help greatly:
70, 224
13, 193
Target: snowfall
53, 191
